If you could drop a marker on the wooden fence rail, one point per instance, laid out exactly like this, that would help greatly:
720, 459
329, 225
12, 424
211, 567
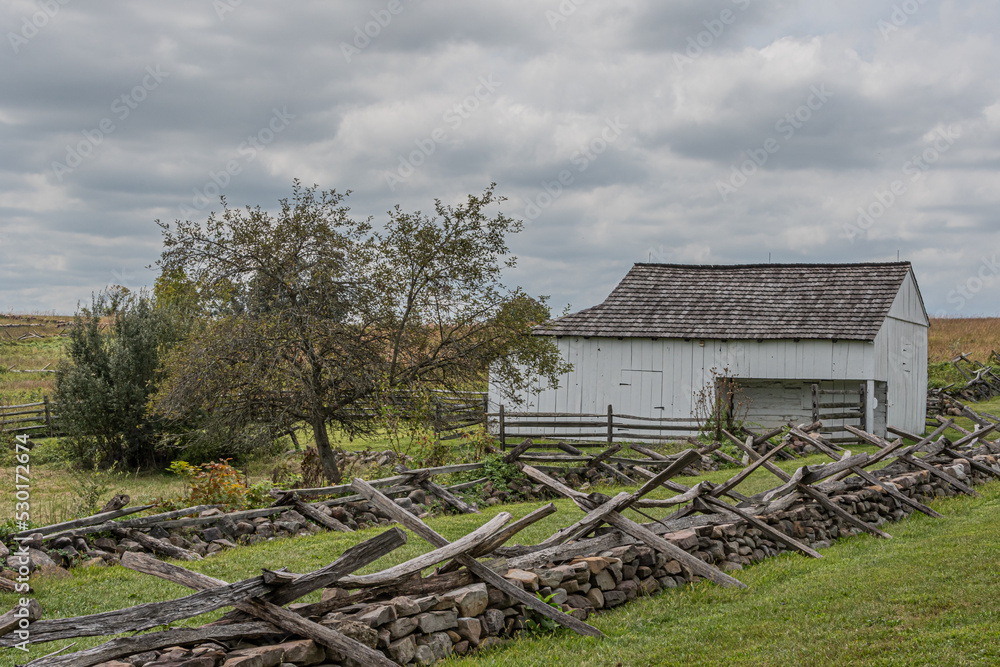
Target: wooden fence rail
28, 417
843, 405
591, 429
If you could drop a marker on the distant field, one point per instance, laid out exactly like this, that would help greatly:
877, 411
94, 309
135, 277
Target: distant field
29, 354
975, 337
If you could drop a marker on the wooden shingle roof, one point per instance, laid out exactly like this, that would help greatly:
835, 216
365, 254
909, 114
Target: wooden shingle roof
752, 301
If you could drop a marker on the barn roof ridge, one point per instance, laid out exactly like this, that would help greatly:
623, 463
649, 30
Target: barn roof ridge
812, 301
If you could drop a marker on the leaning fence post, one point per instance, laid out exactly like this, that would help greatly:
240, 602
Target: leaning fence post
503, 435
815, 403
48, 414
863, 394
611, 426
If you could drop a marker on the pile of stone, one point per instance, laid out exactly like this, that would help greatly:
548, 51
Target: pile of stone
602, 561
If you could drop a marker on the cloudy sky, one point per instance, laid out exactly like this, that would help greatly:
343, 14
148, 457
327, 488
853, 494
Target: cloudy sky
622, 131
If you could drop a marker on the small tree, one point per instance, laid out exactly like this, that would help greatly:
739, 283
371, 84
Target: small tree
316, 317
103, 389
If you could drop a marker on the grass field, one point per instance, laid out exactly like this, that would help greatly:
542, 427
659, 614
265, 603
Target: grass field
926, 597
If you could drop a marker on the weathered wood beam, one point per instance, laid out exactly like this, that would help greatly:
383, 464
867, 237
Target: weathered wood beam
603, 467
943, 476
449, 498
516, 452
10, 621
871, 479
279, 617
310, 512
446, 552
118, 648
589, 522
822, 499
762, 526
92, 520
640, 532
749, 451
486, 574
739, 477
155, 545
140, 617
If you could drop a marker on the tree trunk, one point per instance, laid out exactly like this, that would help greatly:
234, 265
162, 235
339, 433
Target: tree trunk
326, 456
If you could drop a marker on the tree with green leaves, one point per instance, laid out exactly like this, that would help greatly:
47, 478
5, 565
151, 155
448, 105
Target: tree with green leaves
113, 367
313, 316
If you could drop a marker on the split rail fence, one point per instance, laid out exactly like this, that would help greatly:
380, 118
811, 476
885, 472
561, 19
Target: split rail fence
591, 430
259, 603
28, 417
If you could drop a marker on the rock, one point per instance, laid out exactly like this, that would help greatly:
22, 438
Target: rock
403, 650
559, 596
529, 580
594, 563
258, 656
424, 656
377, 616
94, 562
470, 629
179, 541
614, 598
596, 598
245, 528
355, 630
405, 503
440, 644
604, 580
471, 600
578, 602
418, 496
404, 605
212, 533
553, 576
302, 652
436, 621
140, 659
402, 627
293, 517
158, 532
265, 530
290, 527
206, 660
214, 511
685, 539
105, 544
492, 621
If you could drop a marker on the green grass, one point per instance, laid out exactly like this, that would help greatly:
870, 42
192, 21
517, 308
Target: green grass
34, 354
926, 597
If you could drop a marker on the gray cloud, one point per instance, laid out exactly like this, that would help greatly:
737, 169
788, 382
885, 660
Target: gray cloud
400, 115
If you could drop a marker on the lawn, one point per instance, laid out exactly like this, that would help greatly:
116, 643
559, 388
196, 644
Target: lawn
928, 596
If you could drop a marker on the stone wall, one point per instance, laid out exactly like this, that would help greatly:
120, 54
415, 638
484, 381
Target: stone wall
423, 630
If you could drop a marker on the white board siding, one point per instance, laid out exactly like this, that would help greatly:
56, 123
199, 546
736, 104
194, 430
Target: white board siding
685, 367
908, 305
901, 361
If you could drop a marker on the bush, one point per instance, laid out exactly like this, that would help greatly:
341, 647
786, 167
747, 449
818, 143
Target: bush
103, 390
215, 483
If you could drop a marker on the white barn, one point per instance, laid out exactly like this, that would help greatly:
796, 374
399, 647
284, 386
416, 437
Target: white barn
775, 328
